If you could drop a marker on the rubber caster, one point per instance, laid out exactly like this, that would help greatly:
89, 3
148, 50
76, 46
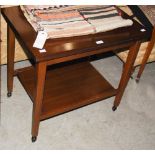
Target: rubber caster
9, 94
114, 108
137, 80
33, 139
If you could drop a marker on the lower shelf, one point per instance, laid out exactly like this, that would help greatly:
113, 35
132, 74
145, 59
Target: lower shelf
68, 87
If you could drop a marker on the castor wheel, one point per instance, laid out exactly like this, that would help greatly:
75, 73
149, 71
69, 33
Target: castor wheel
137, 80
131, 77
9, 94
114, 108
33, 139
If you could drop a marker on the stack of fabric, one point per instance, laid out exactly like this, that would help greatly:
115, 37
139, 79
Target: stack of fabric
66, 21
104, 18
60, 21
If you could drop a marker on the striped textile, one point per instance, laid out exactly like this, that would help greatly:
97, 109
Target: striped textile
105, 18
67, 21
59, 24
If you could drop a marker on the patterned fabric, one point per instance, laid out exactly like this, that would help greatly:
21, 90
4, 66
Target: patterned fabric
58, 22
66, 21
105, 18
149, 11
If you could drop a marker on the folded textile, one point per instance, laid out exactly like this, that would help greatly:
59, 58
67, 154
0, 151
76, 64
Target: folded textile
59, 24
74, 20
105, 18
115, 22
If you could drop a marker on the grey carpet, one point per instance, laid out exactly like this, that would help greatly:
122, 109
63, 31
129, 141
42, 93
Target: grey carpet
95, 126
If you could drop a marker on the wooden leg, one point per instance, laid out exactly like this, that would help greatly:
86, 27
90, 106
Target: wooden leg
10, 59
132, 71
146, 55
39, 91
126, 73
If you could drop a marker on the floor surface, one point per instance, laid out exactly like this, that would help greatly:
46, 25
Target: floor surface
95, 126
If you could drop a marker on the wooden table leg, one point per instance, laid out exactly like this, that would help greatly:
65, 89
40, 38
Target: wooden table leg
40, 69
10, 59
126, 73
146, 55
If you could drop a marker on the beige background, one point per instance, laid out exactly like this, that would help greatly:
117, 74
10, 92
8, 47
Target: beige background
19, 54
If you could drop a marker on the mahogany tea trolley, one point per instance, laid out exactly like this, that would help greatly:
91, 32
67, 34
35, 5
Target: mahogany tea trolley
55, 86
